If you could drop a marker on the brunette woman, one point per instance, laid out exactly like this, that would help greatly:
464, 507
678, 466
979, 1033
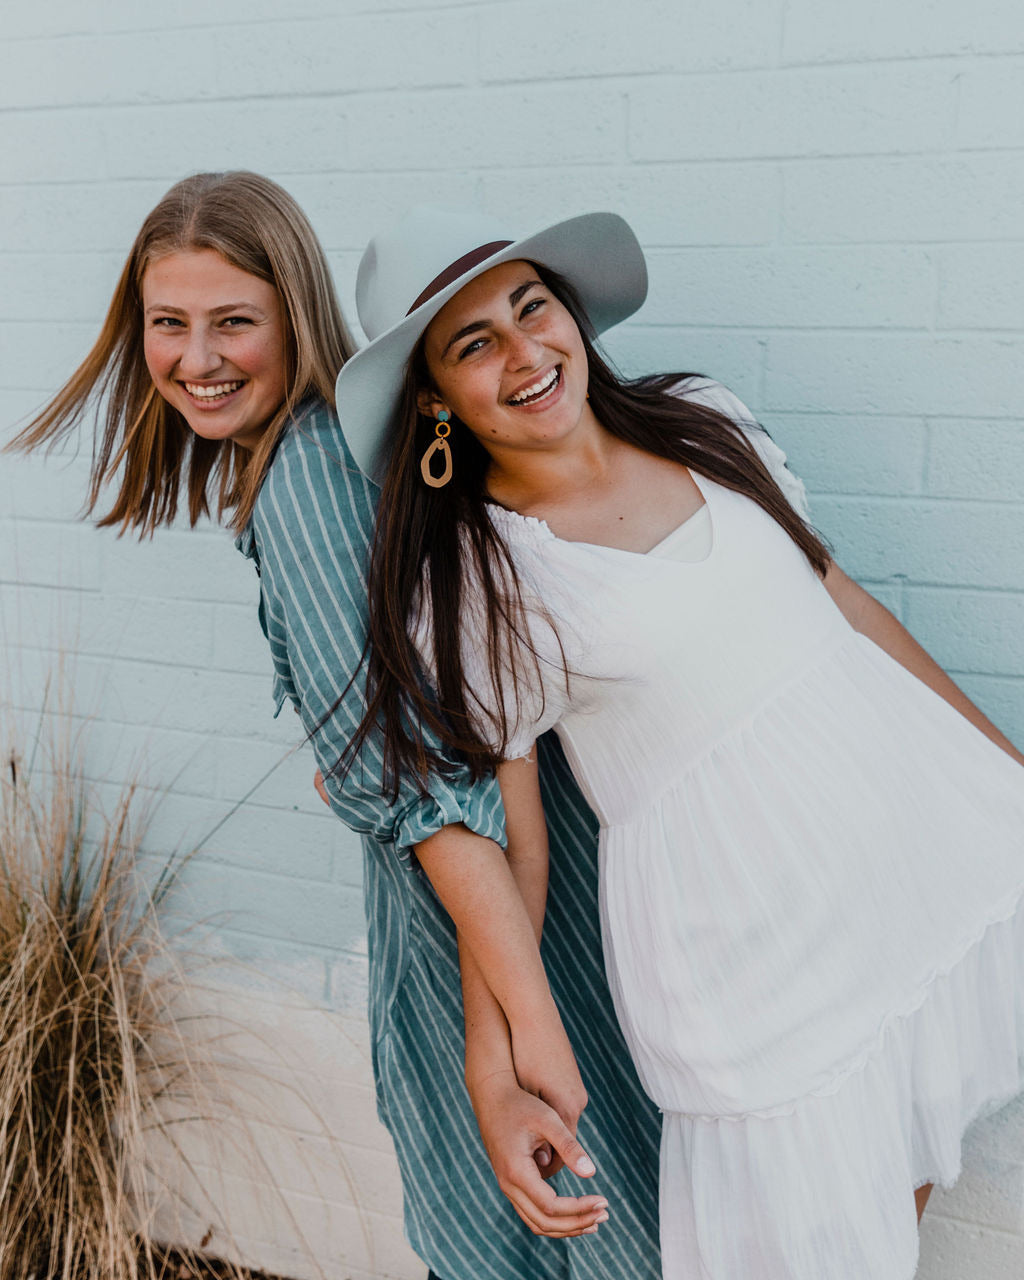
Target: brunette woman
812, 844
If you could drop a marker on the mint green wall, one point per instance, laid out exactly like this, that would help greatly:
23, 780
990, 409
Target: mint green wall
832, 198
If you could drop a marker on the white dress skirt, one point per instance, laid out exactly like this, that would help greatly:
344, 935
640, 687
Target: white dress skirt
811, 874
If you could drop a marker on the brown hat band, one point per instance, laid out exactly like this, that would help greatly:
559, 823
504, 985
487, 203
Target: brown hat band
458, 268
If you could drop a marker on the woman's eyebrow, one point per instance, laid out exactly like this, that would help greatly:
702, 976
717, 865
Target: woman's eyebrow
474, 325
464, 332
217, 311
517, 294
236, 306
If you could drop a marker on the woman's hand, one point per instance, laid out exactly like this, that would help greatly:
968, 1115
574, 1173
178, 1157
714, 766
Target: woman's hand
526, 1142
477, 887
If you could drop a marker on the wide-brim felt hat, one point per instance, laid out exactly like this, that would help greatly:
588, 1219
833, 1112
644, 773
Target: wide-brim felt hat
408, 274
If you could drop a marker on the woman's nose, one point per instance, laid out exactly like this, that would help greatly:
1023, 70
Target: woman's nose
199, 357
524, 351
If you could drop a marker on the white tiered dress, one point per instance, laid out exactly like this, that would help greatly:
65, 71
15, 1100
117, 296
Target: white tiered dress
811, 870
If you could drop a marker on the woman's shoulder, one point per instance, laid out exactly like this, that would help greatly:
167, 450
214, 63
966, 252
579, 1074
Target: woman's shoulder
715, 395
313, 492
313, 428
313, 463
520, 530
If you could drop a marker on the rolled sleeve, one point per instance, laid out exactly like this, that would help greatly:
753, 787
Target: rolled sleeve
312, 526
478, 807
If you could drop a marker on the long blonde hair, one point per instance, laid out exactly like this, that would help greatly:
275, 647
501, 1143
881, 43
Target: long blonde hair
256, 226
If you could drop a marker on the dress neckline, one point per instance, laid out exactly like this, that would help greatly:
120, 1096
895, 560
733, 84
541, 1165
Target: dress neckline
543, 532
695, 529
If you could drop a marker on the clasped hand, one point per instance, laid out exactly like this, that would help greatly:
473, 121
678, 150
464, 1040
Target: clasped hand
527, 1118
527, 1115
527, 1141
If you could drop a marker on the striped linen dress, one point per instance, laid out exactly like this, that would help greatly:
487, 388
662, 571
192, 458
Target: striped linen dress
309, 537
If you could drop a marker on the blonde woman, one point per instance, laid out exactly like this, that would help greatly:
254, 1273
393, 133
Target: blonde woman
210, 388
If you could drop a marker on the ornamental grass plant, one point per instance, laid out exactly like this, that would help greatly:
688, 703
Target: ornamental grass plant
92, 1056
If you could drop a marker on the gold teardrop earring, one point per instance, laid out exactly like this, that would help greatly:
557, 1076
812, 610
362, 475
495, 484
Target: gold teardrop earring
438, 445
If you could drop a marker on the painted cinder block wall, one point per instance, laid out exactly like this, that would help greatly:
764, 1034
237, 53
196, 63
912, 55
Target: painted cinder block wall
832, 199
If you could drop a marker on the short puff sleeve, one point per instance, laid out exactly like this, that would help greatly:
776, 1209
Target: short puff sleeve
707, 392
535, 678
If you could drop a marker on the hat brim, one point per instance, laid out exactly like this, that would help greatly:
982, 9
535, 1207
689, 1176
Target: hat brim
596, 252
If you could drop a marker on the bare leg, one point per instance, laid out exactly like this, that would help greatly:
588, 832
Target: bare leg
921, 1198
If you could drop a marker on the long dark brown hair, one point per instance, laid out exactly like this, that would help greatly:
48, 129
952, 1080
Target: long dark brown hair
431, 540
259, 228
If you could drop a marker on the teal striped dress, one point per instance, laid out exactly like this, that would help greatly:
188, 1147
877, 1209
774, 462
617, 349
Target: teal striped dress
309, 537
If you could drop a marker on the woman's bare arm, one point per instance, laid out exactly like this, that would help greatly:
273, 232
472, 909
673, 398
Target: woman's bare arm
488, 1048
526, 1139
527, 834
493, 1085
519, 1130
475, 882
872, 619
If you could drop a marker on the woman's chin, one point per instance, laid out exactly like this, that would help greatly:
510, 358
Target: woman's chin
210, 427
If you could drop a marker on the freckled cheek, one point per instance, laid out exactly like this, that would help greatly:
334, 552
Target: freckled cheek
159, 357
265, 360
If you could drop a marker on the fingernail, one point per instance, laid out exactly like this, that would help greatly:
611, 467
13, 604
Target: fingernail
601, 1204
585, 1166
601, 1217
590, 1231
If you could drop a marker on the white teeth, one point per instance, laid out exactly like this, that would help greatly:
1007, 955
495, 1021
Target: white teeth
545, 384
211, 393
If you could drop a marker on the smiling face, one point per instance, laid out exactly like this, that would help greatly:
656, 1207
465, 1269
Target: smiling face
507, 358
214, 342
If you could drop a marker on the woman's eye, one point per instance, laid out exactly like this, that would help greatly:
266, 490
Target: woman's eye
471, 348
532, 306
166, 322
235, 322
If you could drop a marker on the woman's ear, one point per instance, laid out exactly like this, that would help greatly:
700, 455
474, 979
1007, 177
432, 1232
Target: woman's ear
428, 403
